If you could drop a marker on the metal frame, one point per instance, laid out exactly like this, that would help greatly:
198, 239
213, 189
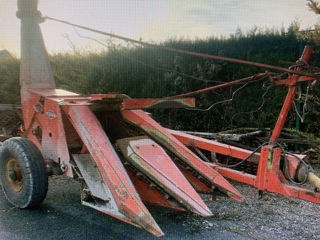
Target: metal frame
270, 177
119, 173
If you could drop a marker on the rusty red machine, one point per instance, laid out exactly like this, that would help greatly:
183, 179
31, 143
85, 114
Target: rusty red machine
122, 156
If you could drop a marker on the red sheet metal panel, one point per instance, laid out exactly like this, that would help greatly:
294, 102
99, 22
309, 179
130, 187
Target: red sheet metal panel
44, 126
162, 136
149, 158
110, 167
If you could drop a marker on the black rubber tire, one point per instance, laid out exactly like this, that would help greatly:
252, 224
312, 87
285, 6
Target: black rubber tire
32, 168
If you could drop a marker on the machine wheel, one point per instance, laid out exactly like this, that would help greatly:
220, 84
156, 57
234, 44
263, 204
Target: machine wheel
22, 173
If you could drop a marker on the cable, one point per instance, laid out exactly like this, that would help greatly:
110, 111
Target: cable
297, 112
223, 85
256, 110
148, 65
217, 103
242, 161
186, 52
305, 106
308, 168
223, 101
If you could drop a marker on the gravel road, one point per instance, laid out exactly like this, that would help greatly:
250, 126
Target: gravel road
61, 216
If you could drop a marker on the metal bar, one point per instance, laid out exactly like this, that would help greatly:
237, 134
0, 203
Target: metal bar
235, 175
212, 145
235, 137
147, 103
287, 105
283, 114
224, 149
162, 136
185, 52
273, 185
223, 85
301, 193
301, 79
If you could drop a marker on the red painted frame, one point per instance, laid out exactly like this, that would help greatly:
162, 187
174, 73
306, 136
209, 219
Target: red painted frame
65, 125
269, 176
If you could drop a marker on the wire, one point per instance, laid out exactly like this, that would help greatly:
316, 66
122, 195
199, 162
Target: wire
286, 167
305, 104
242, 161
183, 74
297, 112
186, 52
223, 85
220, 102
259, 108
146, 64
308, 168
223, 101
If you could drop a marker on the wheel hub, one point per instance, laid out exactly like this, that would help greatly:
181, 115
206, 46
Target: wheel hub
14, 174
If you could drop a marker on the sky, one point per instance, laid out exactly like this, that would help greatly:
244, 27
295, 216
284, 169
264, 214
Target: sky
152, 20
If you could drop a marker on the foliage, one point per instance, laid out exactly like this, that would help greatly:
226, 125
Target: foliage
150, 72
9, 74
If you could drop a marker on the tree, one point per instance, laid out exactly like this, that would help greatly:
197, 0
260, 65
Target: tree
314, 6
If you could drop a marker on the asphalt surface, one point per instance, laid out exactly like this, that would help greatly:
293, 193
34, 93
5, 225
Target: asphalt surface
61, 216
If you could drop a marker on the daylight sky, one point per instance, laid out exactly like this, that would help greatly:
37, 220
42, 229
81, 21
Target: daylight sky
153, 20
